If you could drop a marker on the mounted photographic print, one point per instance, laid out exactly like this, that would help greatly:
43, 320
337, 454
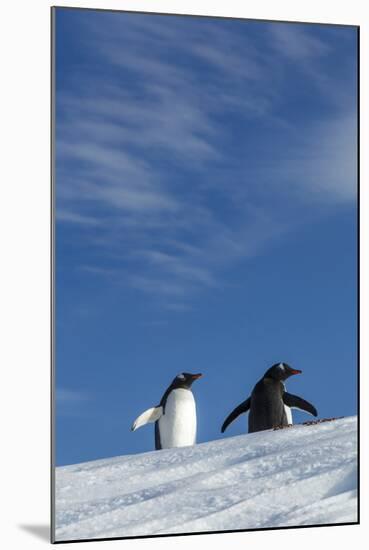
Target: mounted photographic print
205, 340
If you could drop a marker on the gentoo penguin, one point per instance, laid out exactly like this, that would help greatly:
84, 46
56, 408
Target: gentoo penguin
175, 416
269, 400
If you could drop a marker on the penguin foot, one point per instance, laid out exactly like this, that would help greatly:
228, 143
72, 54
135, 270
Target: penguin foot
282, 427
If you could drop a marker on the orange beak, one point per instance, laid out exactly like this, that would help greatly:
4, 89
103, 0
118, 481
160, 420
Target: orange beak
295, 371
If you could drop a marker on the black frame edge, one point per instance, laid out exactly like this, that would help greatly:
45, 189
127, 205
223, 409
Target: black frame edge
52, 274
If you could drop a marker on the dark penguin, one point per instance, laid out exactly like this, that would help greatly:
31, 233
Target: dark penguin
269, 400
175, 416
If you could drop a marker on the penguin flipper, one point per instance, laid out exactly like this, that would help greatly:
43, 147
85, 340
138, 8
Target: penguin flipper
296, 402
242, 408
151, 415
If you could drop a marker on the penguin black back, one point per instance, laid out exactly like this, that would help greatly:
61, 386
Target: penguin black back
268, 400
267, 407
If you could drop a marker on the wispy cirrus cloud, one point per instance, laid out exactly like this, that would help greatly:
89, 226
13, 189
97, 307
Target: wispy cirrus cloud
326, 163
70, 402
298, 43
75, 218
178, 150
64, 395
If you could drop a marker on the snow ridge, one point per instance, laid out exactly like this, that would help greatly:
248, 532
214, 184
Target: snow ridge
305, 475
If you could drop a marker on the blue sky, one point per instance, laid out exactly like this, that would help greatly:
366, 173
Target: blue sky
205, 219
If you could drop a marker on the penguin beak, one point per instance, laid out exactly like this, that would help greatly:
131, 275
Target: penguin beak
295, 371
196, 376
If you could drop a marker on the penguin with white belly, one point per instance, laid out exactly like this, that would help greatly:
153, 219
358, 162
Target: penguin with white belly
175, 416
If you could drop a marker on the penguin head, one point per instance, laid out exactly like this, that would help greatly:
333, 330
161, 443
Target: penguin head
185, 380
281, 371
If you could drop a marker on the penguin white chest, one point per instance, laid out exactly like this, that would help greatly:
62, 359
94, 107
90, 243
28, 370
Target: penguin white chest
177, 426
287, 409
288, 414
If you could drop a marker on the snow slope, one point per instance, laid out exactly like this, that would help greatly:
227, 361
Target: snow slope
303, 475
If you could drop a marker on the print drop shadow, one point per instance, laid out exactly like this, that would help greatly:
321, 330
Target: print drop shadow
40, 531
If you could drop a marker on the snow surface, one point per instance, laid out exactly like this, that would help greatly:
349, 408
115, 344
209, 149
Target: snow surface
303, 475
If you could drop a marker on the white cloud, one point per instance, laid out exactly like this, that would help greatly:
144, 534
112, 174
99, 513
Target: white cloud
321, 165
157, 287
180, 203
298, 43
71, 403
330, 167
68, 396
76, 218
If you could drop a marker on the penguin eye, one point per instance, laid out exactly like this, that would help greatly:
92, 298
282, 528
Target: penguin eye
281, 366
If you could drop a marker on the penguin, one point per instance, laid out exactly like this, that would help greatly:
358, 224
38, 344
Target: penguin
269, 403
175, 416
